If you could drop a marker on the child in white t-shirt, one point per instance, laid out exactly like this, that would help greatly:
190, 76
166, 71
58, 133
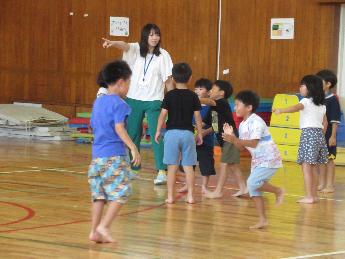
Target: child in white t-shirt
254, 136
312, 149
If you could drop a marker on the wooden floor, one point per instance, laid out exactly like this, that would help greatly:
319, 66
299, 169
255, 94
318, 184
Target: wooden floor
44, 213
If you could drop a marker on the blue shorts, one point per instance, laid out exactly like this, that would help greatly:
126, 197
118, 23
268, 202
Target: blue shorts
108, 179
179, 145
258, 176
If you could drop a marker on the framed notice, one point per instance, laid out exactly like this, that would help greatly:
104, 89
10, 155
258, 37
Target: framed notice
119, 26
282, 28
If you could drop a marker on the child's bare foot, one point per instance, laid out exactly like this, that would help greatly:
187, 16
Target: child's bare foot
306, 200
183, 189
170, 201
260, 224
327, 190
105, 233
320, 187
204, 190
280, 196
95, 237
213, 195
190, 200
240, 193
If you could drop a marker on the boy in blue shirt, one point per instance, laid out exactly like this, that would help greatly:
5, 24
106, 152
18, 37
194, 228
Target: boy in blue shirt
108, 173
205, 153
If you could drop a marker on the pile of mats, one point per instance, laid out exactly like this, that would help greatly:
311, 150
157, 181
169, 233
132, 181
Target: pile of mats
31, 121
82, 125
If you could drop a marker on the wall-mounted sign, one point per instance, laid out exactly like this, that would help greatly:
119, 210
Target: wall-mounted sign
119, 26
282, 28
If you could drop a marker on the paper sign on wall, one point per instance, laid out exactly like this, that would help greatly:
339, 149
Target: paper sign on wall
119, 26
282, 28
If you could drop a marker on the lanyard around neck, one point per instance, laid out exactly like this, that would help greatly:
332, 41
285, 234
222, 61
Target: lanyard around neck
147, 67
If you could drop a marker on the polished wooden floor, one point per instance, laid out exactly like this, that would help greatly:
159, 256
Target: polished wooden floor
44, 213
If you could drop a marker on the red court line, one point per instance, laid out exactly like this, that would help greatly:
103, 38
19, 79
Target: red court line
83, 221
30, 213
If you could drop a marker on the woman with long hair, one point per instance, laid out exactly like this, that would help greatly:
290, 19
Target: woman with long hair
151, 66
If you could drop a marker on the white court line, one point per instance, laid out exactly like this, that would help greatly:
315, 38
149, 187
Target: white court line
315, 255
21, 171
140, 178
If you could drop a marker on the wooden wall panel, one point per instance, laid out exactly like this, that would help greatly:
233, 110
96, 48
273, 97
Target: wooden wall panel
188, 28
51, 57
276, 66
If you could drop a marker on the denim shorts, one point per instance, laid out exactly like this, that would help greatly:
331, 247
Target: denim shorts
179, 145
109, 179
258, 176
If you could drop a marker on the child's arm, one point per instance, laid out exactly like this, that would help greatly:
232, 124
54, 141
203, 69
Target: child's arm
169, 84
161, 119
291, 109
333, 139
208, 101
207, 131
240, 143
229, 136
117, 44
122, 132
324, 124
198, 123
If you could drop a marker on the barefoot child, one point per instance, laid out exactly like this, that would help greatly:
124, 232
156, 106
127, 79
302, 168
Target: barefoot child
180, 105
254, 136
312, 149
221, 113
326, 178
110, 165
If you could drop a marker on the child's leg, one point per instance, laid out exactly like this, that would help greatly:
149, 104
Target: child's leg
190, 176
184, 188
308, 183
241, 183
172, 169
103, 228
330, 177
315, 179
205, 180
279, 192
96, 216
322, 176
260, 208
223, 174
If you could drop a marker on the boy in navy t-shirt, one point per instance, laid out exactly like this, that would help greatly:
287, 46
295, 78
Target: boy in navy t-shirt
333, 113
108, 173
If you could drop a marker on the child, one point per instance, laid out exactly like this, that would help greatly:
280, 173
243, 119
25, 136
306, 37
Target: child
312, 149
326, 178
204, 151
221, 113
254, 136
103, 87
180, 105
110, 166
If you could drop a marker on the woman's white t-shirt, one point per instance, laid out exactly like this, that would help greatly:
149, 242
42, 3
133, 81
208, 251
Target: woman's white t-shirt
147, 86
312, 115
